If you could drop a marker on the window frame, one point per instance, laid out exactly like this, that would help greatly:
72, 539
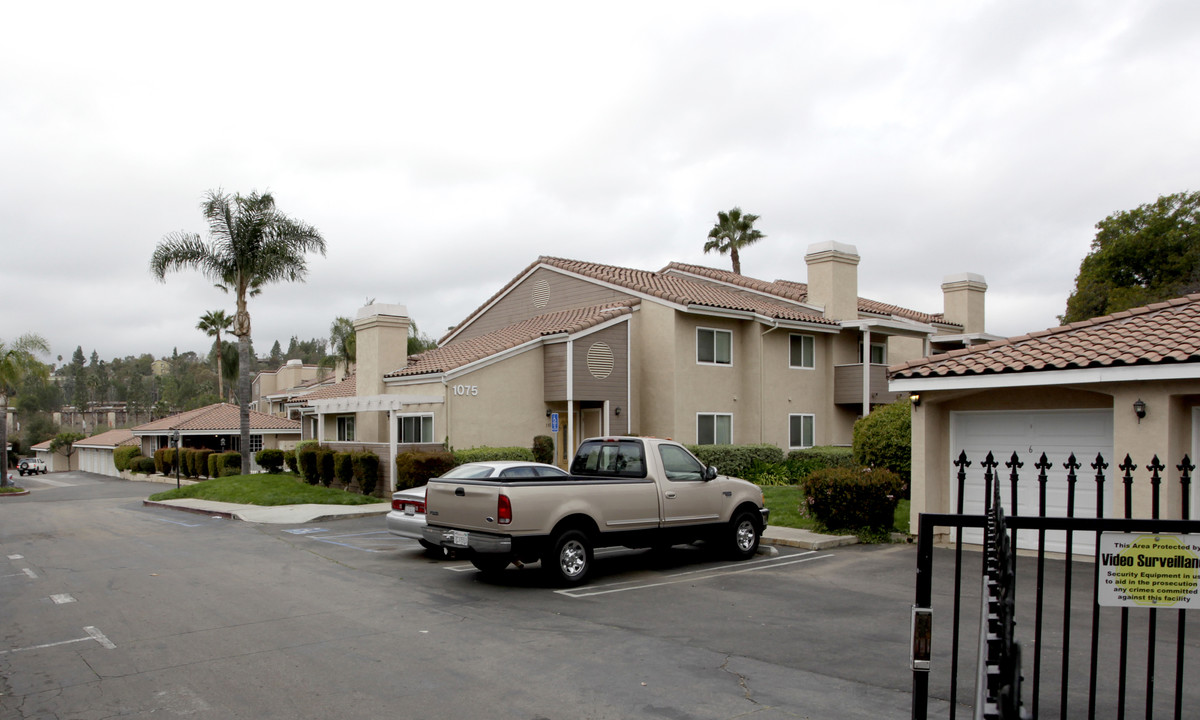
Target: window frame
881, 345
811, 341
714, 416
714, 362
812, 419
256, 443
400, 428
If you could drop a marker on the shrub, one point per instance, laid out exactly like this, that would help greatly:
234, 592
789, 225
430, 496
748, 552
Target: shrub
170, 458
214, 467
366, 469
483, 454
306, 459
883, 439
802, 463
290, 460
230, 463
144, 465
160, 460
124, 456
325, 466
737, 460
190, 457
269, 459
543, 449
343, 468
854, 498
203, 466
415, 468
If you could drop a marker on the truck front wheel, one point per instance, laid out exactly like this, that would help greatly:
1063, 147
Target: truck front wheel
743, 536
569, 559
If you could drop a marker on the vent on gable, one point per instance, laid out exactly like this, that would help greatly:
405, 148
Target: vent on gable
541, 293
600, 360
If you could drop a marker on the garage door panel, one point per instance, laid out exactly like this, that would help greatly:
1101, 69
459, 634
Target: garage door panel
1058, 434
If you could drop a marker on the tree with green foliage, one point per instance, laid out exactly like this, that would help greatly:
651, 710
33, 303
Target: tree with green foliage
252, 244
18, 360
64, 443
1140, 256
342, 340
212, 323
418, 342
732, 232
883, 439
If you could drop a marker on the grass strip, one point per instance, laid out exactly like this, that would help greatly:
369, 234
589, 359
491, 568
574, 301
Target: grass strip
264, 489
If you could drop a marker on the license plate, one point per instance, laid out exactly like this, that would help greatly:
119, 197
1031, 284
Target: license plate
459, 538
410, 510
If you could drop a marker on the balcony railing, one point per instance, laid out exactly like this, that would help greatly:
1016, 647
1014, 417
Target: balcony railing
848, 385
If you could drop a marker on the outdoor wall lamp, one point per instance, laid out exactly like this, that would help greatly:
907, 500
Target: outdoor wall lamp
617, 412
547, 412
1139, 409
916, 399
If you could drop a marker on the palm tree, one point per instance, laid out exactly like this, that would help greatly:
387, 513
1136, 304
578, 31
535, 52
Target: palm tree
250, 245
342, 339
732, 232
212, 323
18, 360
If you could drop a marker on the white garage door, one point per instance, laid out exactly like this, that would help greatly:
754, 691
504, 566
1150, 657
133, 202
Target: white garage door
1058, 433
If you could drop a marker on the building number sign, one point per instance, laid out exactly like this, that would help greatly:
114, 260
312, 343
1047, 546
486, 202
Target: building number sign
466, 389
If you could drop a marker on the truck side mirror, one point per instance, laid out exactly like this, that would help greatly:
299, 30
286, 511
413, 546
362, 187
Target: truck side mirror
710, 472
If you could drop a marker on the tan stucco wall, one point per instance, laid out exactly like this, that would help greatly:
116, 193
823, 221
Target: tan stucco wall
508, 410
1166, 431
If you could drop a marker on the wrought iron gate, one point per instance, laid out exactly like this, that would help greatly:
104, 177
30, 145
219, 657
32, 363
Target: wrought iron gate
1010, 673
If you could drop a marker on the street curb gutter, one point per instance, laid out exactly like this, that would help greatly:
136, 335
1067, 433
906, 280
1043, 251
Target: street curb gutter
194, 511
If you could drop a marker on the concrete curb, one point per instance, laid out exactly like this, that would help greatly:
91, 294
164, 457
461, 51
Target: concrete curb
193, 510
23, 493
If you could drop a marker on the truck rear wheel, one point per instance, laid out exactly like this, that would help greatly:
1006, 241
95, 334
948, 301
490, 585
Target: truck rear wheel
743, 536
569, 559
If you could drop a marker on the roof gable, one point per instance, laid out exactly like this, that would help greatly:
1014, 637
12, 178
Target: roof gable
219, 416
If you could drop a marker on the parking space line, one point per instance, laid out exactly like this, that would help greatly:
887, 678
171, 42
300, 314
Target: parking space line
361, 534
687, 577
16, 557
177, 522
30, 573
92, 634
62, 598
352, 547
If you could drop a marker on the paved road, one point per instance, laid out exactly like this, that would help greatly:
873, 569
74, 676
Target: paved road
110, 609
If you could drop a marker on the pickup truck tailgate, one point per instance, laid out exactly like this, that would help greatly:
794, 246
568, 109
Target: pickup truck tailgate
462, 504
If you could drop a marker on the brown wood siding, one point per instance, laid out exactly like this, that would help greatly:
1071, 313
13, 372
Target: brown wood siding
521, 302
554, 363
615, 387
848, 388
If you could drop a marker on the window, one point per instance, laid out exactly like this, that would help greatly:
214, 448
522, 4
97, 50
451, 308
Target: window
416, 428
714, 429
255, 443
878, 353
679, 465
800, 431
714, 346
802, 351
312, 430
345, 429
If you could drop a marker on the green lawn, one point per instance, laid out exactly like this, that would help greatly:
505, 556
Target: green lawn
264, 489
785, 500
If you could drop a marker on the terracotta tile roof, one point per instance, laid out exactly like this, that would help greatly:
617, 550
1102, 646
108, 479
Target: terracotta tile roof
220, 416
796, 292
112, 438
345, 388
874, 306
455, 354
1166, 332
44, 445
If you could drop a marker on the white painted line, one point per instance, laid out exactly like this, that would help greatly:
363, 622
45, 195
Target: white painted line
99, 637
30, 573
679, 578
16, 557
305, 531
352, 547
62, 598
93, 634
361, 534
460, 568
176, 522
56, 483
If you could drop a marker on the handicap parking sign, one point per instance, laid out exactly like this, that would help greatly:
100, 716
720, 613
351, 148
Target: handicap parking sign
553, 422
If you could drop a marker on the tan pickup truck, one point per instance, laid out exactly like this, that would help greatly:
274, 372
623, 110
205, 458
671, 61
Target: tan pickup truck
630, 491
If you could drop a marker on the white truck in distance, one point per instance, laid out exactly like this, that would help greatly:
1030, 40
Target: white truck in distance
630, 491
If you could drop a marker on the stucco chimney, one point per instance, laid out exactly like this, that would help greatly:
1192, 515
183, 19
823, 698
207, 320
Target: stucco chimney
380, 344
963, 296
833, 279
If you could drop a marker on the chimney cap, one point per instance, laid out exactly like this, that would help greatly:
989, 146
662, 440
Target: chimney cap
967, 279
830, 247
374, 309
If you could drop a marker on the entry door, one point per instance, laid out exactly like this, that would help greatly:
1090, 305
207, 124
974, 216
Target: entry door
1058, 433
591, 423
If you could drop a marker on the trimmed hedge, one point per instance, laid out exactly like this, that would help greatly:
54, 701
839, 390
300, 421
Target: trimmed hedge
484, 454
854, 498
802, 463
306, 460
202, 464
230, 463
124, 456
160, 460
366, 470
269, 459
290, 460
343, 468
883, 439
325, 466
415, 468
214, 469
543, 449
737, 460
145, 465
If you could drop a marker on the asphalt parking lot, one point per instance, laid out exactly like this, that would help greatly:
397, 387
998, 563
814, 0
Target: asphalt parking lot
161, 613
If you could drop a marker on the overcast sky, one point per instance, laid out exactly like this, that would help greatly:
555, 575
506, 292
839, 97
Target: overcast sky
440, 148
